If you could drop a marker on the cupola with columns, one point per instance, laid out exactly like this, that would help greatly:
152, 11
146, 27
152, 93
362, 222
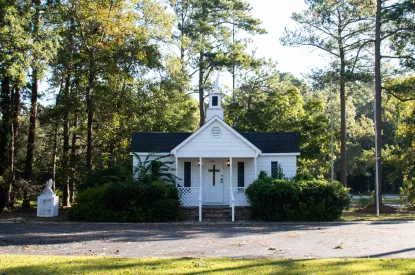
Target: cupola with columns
215, 103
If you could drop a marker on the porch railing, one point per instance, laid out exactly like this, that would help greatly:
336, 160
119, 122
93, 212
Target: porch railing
233, 205
238, 198
189, 196
239, 194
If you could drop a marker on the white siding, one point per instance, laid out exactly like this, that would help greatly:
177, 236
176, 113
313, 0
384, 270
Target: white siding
288, 164
205, 145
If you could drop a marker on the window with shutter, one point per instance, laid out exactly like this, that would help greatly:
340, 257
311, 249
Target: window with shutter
187, 174
241, 174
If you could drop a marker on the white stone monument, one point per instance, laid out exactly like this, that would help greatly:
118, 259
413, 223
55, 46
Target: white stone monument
47, 202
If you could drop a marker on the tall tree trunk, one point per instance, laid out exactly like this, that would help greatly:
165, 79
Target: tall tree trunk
6, 125
182, 40
72, 162
67, 94
31, 136
16, 112
65, 156
34, 98
5, 143
90, 109
55, 140
32, 127
201, 89
33, 106
378, 95
12, 136
343, 151
55, 153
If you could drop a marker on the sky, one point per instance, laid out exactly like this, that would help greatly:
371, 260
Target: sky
276, 15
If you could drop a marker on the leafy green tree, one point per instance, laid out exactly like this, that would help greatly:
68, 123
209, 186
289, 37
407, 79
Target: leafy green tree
393, 22
339, 28
43, 49
205, 38
14, 62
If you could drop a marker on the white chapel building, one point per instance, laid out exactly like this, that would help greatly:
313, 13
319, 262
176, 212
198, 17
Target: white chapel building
216, 164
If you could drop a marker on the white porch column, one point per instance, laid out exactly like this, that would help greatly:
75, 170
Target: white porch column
200, 190
177, 170
230, 180
231, 193
256, 167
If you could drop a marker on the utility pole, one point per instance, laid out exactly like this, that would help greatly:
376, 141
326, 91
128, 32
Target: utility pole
376, 154
233, 65
331, 133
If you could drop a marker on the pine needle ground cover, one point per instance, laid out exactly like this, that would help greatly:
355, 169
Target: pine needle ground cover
24, 264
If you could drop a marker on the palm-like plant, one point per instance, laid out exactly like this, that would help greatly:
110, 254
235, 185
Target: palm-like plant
150, 170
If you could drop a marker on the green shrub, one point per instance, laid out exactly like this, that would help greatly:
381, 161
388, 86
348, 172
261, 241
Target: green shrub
118, 172
130, 201
281, 200
408, 189
91, 206
322, 201
163, 210
302, 176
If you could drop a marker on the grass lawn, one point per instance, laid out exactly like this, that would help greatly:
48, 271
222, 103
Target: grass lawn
395, 200
18, 203
12, 264
356, 216
351, 215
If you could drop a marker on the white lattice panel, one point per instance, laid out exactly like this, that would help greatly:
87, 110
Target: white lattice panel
189, 196
240, 196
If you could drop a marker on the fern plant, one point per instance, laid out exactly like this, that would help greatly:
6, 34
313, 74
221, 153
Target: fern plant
149, 170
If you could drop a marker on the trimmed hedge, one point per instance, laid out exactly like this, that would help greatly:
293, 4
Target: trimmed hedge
282, 200
130, 201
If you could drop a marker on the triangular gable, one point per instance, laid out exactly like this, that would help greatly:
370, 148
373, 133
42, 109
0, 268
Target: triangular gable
224, 125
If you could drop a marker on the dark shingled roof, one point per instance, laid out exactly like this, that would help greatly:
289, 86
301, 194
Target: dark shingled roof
165, 142
274, 142
156, 142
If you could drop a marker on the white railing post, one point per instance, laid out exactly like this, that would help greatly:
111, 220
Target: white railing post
233, 205
230, 186
256, 168
200, 190
177, 170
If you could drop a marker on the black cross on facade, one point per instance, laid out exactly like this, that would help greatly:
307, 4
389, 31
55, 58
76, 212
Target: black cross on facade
214, 173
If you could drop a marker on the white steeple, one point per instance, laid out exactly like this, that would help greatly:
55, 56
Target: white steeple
215, 103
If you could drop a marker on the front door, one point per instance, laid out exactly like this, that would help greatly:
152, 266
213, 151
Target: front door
214, 184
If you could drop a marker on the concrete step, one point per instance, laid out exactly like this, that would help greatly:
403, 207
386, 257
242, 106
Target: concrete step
216, 213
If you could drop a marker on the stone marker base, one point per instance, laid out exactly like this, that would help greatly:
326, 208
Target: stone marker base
47, 206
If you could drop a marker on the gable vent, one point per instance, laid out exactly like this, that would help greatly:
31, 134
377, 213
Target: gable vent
216, 132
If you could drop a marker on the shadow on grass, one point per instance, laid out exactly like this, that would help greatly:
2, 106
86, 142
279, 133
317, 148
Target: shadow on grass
390, 253
93, 265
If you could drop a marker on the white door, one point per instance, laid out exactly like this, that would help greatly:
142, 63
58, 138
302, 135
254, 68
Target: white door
214, 184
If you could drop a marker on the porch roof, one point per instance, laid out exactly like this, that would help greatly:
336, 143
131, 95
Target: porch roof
273, 142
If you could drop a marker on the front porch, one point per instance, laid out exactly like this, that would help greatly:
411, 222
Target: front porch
208, 182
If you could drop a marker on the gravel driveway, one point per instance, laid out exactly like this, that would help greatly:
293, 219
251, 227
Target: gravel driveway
252, 240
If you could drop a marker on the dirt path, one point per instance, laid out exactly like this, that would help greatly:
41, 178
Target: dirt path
308, 240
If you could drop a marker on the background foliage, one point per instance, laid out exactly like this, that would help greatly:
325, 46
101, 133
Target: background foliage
116, 67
